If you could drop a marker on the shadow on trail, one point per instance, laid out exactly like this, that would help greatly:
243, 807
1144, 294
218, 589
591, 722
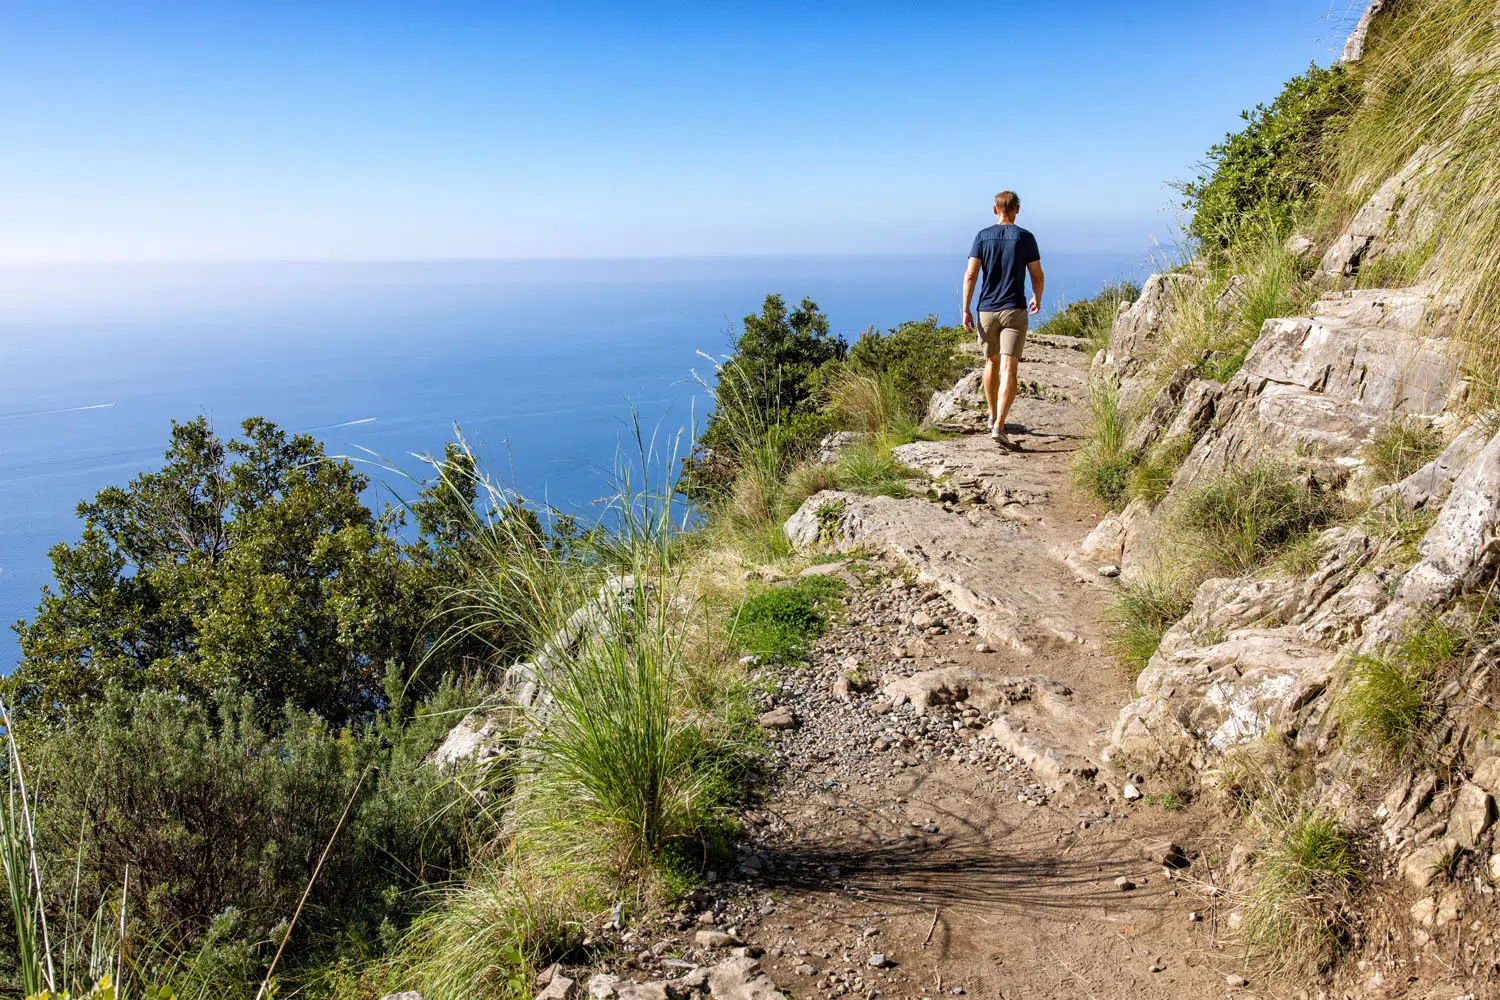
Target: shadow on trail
1011, 875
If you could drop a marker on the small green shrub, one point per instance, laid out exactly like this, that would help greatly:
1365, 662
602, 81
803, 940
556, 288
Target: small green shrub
1101, 468
1397, 269
806, 479
1246, 515
1301, 881
1091, 319
1400, 448
1141, 613
1152, 477
780, 624
911, 362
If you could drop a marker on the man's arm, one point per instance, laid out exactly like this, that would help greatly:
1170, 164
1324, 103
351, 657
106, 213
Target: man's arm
971, 277
1035, 270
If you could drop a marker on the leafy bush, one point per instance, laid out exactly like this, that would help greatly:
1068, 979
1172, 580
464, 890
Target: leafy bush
1091, 319
214, 811
1400, 448
1141, 613
1101, 467
780, 624
1302, 879
913, 361
1246, 515
1270, 168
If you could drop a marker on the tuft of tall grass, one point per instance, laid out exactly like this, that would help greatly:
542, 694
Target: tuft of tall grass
1140, 615
1152, 477
1301, 881
1429, 79
1245, 515
1101, 468
1400, 448
1387, 706
486, 935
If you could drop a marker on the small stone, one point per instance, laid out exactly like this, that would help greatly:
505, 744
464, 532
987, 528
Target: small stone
1426, 864
877, 960
1473, 810
715, 939
805, 970
1194, 916
1130, 793
980, 647
1236, 982
1495, 867
603, 986
1124, 884
780, 717
1109, 571
707, 918
931, 828
1156, 967
1167, 853
560, 987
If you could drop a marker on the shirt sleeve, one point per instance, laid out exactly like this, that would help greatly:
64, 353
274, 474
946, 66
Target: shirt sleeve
1028, 248
974, 247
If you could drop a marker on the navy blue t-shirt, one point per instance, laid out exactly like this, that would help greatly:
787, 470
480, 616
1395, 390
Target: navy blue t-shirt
1004, 252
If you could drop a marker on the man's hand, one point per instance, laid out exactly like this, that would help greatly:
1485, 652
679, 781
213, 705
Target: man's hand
1034, 306
968, 321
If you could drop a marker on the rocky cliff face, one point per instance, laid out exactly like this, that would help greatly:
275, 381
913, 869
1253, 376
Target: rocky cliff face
1266, 656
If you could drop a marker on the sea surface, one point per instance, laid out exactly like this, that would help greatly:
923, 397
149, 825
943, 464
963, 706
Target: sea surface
541, 363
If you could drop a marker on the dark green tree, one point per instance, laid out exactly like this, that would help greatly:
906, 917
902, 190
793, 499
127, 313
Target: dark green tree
769, 381
249, 564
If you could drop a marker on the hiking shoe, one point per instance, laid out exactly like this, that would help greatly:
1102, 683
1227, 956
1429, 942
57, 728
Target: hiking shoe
1001, 438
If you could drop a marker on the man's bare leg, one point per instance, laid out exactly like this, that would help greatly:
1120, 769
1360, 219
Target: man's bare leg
992, 386
1009, 365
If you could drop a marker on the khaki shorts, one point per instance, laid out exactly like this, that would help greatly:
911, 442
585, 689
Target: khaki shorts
1003, 332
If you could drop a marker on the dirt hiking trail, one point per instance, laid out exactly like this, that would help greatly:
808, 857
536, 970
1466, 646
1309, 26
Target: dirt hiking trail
945, 825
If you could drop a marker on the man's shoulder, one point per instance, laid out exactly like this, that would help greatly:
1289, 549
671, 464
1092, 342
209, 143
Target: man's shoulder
988, 233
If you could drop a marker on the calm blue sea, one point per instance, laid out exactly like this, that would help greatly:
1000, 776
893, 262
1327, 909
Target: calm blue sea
540, 363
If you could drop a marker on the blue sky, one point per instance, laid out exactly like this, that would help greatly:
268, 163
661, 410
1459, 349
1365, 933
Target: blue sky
436, 130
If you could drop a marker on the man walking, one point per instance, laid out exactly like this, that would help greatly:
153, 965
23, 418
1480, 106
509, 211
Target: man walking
1006, 253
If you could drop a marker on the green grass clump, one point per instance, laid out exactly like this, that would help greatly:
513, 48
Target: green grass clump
1293, 917
1152, 477
1091, 319
869, 468
1101, 468
1397, 269
780, 624
1244, 516
1386, 705
1140, 615
1400, 448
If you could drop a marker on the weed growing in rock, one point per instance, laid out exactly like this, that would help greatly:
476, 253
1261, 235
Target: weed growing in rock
1246, 515
1398, 449
1101, 468
1141, 613
1387, 705
1152, 477
1301, 880
868, 467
